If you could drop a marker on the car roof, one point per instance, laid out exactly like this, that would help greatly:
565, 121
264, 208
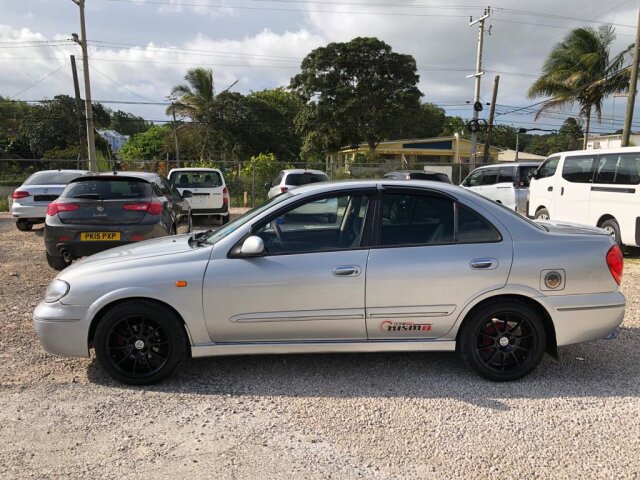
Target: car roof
195, 169
146, 176
322, 187
528, 163
598, 151
429, 172
303, 170
64, 170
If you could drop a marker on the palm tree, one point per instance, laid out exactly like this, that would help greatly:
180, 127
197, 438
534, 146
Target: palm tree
195, 98
580, 69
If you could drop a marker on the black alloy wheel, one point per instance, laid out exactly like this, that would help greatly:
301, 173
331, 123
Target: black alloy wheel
503, 341
140, 342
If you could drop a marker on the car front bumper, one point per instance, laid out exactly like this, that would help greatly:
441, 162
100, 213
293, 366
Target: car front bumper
62, 329
580, 318
33, 212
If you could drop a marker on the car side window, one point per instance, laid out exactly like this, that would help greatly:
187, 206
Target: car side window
548, 168
278, 179
618, 169
473, 228
333, 223
490, 177
415, 219
506, 174
578, 169
474, 179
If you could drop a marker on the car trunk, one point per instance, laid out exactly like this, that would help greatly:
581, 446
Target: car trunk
105, 212
41, 194
567, 228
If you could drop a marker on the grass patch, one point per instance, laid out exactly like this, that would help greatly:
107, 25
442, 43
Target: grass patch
4, 205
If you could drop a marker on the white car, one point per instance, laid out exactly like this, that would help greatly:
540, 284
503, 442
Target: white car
507, 184
592, 187
30, 200
289, 179
210, 195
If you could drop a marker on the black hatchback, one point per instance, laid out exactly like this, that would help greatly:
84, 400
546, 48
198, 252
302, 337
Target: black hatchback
97, 212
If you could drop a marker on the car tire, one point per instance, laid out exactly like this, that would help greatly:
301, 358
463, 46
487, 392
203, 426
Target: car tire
613, 229
542, 214
503, 341
225, 219
140, 342
24, 226
57, 262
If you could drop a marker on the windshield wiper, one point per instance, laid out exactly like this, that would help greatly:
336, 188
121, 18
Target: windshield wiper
88, 195
199, 237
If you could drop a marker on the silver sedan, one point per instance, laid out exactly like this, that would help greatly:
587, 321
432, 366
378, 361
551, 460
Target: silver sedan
401, 266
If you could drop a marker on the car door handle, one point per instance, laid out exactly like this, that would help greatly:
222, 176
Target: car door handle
550, 189
346, 271
484, 263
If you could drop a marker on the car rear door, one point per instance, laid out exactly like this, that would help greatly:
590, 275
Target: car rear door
309, 285
430, 257
504, 190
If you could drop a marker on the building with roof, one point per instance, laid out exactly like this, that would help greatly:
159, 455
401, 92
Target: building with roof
597, 142
411, 152
115, 139
509, 155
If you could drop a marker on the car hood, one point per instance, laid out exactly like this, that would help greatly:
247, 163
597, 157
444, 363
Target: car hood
571, 228
148, 248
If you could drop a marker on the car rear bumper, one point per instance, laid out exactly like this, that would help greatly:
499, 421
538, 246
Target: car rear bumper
580, 318
31, 212
223, 211
62, 329
59, 238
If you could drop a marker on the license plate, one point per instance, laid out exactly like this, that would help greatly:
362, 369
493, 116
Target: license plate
99, 236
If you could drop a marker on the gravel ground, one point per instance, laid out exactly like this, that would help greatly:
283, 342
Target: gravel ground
310, 416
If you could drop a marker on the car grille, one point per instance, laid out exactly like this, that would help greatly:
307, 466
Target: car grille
44, 198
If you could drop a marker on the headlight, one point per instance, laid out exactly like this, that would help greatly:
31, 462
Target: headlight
56, 290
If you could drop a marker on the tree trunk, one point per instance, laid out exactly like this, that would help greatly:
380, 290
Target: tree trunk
587, 124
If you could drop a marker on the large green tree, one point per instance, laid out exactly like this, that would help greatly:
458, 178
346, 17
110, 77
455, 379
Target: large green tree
581, 69
356, 91
154, 144
422, 121
127, 123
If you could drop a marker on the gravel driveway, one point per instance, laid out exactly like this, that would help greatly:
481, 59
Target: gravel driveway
330, 416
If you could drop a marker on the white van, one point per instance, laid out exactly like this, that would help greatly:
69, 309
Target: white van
593, 187
505, 183
210, 193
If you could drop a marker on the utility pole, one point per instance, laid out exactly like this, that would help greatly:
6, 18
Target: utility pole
626, 132
492, 112
175, 135
82, 41
82, 144
477, 106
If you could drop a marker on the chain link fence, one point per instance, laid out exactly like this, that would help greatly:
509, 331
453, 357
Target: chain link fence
248, 182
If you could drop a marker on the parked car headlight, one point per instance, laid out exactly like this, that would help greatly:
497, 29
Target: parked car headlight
56, 290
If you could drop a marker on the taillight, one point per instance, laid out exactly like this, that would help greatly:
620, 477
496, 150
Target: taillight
55, 207
20, 194
284, 189
225, 196
153, 208
615, 262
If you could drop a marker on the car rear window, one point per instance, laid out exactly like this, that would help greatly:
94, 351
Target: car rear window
109, 189
52, 178
523, 174
298, 179
196, 179
435, 177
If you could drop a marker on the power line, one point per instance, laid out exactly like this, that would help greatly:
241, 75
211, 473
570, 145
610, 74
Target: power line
119, 84
38, 81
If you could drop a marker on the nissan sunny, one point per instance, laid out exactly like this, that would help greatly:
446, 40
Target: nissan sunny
401, 266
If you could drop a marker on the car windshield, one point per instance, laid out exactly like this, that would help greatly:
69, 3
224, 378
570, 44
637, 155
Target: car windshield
298, 179
108, 189
232, 226
53, 177
196, 179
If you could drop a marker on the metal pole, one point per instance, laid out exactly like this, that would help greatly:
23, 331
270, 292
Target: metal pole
82, 144
517, 144
253, 186
91, 142
626, 132
494, 99
175, 136
478, 75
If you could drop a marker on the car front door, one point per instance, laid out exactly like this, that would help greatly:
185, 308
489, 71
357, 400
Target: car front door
541, 187
474, 181
504, 190
308, 286
430, 257
574, 195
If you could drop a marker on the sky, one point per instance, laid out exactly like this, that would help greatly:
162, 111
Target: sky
140, 49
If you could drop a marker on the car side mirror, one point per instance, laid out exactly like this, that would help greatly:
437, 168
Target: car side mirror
268, 185
253, 246
531, 175
187, 194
